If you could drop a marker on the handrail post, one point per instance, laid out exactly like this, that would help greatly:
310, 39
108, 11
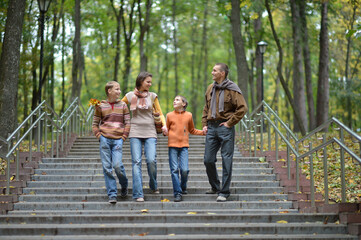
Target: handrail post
297, 171
31, 139
8, 173
45, 135
39, 131
288, 157
269, 136
311, 178
343, 175
52, 140
254, 139
276, 139
17, 159
262, 125
325, 172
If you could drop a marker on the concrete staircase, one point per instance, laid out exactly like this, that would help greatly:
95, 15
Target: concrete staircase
66, 199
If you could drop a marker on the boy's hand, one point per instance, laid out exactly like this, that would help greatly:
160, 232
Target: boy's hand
205, 130
165, 130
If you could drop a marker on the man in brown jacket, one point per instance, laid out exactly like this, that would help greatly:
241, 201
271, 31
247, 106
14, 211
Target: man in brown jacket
225, 106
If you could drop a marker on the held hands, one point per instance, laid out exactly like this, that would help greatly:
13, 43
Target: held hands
205, 130
165, 130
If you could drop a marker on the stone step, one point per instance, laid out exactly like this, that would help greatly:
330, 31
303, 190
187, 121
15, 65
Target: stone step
161, 176
160, 184
157, 217
244, 236
158, 205
149, 197
163, 190
174, 228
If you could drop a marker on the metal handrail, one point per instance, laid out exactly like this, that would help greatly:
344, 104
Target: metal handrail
257, 119
39, 118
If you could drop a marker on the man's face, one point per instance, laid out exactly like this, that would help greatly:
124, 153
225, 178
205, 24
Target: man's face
217, 74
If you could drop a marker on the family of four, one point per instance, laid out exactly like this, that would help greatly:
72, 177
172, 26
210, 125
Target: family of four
113, 124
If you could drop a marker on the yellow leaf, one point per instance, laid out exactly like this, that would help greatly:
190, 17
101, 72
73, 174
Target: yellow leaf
12, 177
172, 234
285, 212
191, 212
282, 221
228, 6
143, 234
144, 210
164, 200
211, 213
33, 214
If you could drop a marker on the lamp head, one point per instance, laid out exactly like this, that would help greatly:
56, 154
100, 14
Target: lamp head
262, 46
44, 5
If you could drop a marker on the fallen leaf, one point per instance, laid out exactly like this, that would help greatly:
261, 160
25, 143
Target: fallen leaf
192, 213
43, 173
143, 234
282, 221
284, 212
164, 200
144, 210
172, 234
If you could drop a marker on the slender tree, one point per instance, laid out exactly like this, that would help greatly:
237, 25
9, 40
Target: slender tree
323, 71
307, 64
144, 27
175, 44
77, 67
279, 71
298, 73
118, 16
238, 44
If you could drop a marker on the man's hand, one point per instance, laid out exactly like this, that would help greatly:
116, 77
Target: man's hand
205, 130
224, 124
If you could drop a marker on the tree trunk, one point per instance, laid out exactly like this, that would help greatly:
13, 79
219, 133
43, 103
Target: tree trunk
63, 66
323, 89
144, 27
242, 66
307, 64
175, 43
257, 24
347, 67
128, 43
279, 71
9, 68
76, 68
204, 46
298, 78
118, 16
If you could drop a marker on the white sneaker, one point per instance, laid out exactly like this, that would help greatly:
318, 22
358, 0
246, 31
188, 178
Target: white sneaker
221, 199
139, 199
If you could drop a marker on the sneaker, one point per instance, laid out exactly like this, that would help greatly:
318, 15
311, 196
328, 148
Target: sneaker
113, 200
184, 192
124, 192
155, 191
139, 199
221, 199
178, 198
211, 191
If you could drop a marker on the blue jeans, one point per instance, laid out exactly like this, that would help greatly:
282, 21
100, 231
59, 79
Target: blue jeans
149, 145
111, 156
178, 163
219, 137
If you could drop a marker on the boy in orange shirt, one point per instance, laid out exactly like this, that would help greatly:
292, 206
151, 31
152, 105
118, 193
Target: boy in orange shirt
179, 125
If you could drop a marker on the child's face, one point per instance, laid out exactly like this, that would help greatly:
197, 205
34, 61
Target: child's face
178, 103
114, 92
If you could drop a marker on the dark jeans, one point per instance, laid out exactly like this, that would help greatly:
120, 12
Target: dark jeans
219, 137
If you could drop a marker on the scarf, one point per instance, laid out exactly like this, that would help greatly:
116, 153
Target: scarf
226, 84
142, 103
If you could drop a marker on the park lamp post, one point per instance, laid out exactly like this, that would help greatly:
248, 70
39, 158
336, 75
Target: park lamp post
43, 7
262, 49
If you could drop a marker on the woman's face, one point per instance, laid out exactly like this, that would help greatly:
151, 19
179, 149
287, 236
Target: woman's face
146, 84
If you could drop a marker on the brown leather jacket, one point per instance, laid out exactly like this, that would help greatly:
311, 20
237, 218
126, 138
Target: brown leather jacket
235, 107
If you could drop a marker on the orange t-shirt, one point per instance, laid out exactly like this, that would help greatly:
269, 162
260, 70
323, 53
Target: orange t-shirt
180, 125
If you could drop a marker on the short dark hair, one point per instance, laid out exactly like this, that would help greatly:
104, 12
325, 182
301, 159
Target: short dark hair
224, 68
141, 77
109, 85
184, 100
